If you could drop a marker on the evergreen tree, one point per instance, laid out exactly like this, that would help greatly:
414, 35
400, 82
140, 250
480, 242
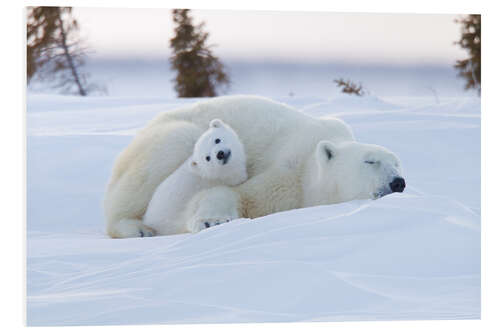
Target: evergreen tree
349, 87
40, 27
470, 68
199, 72
54, 50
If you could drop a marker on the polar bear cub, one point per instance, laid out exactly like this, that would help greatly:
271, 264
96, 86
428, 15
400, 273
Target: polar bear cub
218, 159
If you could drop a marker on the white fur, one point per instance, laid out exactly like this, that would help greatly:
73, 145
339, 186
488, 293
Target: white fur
211, 207
333, 173
218, 159
348, 171
280, 145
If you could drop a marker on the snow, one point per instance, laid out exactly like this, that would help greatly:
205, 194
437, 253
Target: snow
408, 256
151, 77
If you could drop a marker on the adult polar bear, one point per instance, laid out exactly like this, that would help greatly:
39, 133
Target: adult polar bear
279, 141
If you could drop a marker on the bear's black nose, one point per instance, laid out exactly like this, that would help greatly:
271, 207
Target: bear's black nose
220, 155
398, 184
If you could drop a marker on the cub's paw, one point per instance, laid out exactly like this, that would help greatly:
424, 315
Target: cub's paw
129, 228
203, 224
145, 231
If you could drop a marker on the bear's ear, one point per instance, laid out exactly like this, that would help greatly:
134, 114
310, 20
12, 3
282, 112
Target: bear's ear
216, 123
325, 152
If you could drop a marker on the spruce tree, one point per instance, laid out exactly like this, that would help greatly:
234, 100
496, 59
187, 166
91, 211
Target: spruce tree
54, 50
40, 28
470, 40
349, 87
199, 72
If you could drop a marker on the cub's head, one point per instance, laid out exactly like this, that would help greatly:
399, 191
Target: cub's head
353, 170
220, 155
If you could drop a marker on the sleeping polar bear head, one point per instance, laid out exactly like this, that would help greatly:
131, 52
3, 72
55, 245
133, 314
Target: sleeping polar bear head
352, 170
219, 155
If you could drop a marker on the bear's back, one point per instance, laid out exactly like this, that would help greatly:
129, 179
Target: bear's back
269, 130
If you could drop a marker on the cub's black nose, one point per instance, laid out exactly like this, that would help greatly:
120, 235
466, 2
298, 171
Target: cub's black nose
220, 155
398, 184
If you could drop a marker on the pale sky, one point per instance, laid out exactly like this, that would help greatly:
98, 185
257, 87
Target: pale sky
285, 36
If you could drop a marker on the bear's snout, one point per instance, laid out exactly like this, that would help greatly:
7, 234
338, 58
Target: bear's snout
398, 184
223, 156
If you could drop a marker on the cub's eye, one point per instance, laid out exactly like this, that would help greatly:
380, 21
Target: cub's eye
208, 158
217, 141
370, 162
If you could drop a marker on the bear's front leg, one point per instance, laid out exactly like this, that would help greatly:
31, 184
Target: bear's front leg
212, 207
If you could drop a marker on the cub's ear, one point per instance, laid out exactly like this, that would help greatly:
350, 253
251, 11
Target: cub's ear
325, 152
193, 165
216, 123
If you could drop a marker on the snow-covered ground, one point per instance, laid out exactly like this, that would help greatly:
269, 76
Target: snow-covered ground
414, 255
154, 77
